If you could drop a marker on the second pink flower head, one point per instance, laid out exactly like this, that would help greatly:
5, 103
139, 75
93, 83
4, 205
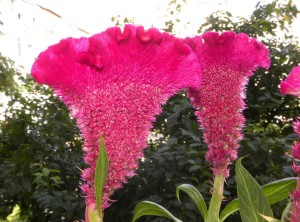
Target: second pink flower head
227, 61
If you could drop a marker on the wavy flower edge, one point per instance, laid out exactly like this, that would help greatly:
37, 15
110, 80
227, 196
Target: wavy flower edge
120, 76
291, 85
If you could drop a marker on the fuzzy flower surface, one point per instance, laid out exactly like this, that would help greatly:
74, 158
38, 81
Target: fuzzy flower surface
114, 84
227, 61
291, 85
296, 149
295, 210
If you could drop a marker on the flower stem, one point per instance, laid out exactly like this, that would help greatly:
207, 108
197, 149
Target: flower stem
286, 211
216, 200
92, 215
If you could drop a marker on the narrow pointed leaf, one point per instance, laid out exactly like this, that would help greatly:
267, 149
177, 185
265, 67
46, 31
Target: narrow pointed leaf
274, 191
148, 208
100, 175
251, 197
196, 197
269, 219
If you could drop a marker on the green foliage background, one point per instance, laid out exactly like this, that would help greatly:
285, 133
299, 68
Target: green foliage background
40, 146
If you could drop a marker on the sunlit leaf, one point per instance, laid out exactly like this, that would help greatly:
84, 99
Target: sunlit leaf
269, 219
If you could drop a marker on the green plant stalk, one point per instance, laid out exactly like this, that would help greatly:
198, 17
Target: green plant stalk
93, 215
216, 200
286, 211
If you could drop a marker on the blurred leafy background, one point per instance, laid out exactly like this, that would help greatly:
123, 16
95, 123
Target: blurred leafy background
40, 145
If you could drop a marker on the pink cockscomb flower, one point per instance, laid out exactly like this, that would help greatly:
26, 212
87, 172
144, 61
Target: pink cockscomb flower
296, 126
227, 61
291, 85
296, 151
114, 83
295, 210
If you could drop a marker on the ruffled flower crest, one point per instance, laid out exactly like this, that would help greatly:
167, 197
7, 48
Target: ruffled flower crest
114, 83
291, 85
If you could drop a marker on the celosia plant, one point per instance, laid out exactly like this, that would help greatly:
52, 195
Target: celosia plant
291, 85
114, 83
295, 211
227, 61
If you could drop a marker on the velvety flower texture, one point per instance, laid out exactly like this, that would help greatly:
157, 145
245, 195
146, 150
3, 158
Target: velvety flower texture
296, 149
291, 85
227, 61
114, 83
295, 210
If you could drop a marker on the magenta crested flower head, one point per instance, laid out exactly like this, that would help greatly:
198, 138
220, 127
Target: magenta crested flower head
291, 85
295, 210
114, 83
296, 150
296, 147
295, 196
296, 127
227, 61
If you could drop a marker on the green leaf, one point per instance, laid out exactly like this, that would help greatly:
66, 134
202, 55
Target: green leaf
148, 208
230, 208
269, 219
274, 191
45, 172
251, 197
196, 197
279, 189
100, 175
